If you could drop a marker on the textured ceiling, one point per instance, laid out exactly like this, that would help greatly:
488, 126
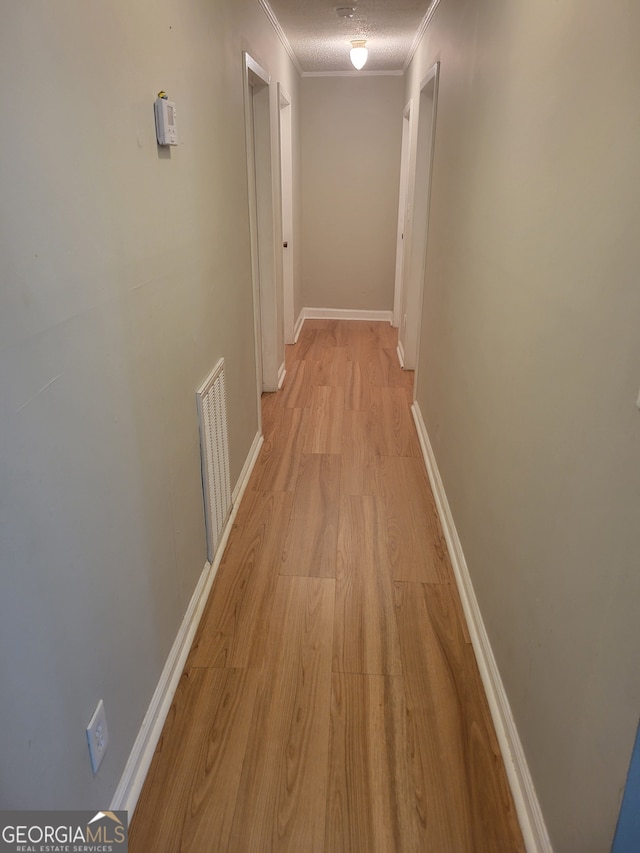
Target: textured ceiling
320, 39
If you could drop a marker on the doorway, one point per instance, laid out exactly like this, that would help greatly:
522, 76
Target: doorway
417, 222
260, 183
286, 191
403, 223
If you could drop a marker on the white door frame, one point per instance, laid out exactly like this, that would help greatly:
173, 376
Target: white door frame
418, 220
286, 198
263, 271
402, 216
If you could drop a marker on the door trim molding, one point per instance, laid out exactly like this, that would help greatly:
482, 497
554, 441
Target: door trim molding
530, 817
255, 69
423, 134
258, 137
403, 201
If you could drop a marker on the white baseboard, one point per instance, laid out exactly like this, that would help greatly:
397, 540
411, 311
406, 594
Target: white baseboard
128, 790
298, 327
400, 351
282, 372
243, 479
346, 314
528, 808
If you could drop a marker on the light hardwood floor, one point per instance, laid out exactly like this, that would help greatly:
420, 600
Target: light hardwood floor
331, 700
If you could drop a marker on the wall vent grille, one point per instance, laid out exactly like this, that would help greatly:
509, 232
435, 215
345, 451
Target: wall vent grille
214, 452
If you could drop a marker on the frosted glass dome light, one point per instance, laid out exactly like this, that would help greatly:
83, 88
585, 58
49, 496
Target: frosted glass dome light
358, 53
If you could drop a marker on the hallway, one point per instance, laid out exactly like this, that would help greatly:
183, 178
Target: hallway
331, 700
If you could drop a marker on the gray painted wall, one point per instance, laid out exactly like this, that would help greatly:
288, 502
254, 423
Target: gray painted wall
529, 372
351, 136
124, 276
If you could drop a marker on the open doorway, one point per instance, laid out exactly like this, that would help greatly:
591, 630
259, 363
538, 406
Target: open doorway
417, 223
403, 223
286, 189
265, 303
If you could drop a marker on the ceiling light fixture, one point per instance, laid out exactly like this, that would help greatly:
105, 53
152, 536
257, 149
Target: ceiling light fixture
358, 53
345, 11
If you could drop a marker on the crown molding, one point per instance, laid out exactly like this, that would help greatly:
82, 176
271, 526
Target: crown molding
421, 31
275, 23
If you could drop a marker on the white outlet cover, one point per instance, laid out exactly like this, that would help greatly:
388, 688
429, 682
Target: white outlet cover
98, 736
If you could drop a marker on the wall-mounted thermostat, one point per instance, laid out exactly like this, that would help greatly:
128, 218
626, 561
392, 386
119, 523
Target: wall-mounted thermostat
166, 131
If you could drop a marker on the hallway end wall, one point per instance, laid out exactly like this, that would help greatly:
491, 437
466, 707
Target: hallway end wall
351, 135
529, 368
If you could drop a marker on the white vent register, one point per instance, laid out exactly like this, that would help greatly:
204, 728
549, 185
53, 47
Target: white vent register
214, 452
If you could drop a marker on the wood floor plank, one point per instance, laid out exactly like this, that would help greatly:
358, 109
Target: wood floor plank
416, 544
326, 334
281, 803
398, 378
464, 803
297, 388
278, 464
324, 432
201, 750
312, 539
361, 470
305, 342
316, 323
384, 368
330, 368
369, 799
363, 341
271, 404
344, 331
290, 355
365, 632
387, 335
394, 433
322, 339
357, 387
231, 631
366, 336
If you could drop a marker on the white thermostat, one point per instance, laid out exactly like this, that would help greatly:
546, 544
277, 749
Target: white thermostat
166, 131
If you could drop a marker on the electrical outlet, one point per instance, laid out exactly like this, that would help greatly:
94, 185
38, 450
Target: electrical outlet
98, 736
